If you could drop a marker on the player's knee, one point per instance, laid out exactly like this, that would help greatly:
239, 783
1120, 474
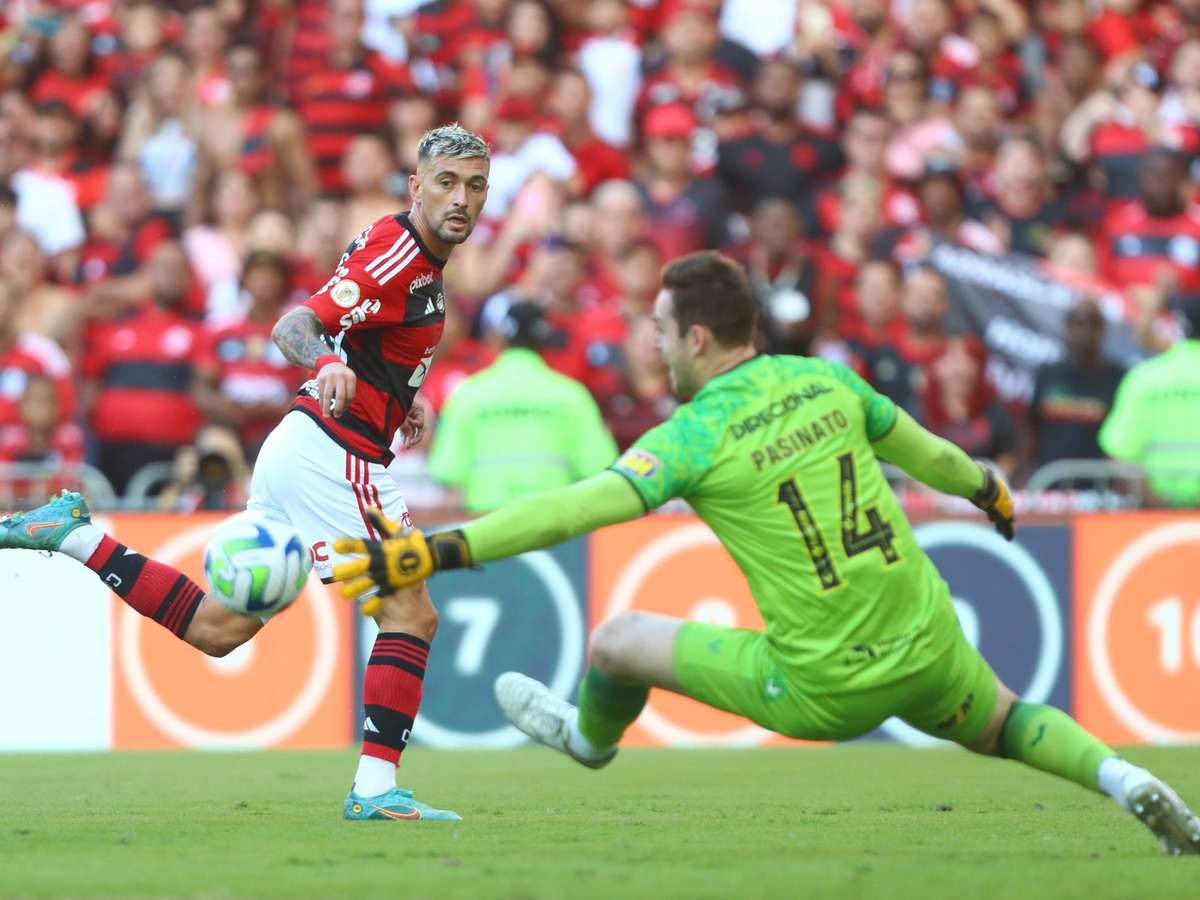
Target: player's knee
410, 611
217, 642
990, 742
612, 642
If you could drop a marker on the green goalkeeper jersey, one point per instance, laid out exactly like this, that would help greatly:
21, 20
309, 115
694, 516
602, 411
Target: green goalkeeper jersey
775, 456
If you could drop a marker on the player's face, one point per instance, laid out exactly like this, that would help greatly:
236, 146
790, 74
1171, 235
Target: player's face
451, 194
673, 346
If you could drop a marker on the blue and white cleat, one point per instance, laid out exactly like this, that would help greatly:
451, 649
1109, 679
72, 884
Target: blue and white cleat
397, 804
45, 527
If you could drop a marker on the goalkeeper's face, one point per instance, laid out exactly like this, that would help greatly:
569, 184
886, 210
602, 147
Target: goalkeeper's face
678, 351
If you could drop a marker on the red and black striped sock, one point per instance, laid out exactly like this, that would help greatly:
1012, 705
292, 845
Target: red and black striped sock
155, 590
392, 693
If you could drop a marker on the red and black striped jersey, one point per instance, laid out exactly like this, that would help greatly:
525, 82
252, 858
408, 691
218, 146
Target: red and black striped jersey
383, 309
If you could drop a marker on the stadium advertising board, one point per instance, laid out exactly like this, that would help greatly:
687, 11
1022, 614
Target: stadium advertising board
1137, 611
1100, 617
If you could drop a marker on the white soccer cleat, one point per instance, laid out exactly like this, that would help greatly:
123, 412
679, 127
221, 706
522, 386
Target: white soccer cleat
535, 710
1162, 811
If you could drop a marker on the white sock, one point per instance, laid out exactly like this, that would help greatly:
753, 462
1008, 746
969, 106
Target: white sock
1117, 776
81, 543
580, 745
375, 776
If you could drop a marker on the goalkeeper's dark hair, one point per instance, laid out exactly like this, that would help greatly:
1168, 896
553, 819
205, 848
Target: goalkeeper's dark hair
712, 290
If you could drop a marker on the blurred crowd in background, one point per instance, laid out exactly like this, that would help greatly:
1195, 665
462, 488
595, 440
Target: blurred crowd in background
174, 176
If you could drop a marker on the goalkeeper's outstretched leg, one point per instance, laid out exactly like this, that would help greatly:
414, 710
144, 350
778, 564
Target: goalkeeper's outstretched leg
630, 654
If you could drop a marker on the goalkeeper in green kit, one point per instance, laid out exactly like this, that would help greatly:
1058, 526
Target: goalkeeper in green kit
777, 454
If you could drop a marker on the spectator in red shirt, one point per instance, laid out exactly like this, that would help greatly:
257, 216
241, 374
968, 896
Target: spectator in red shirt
124, 230
684, 213
57, 140
596, 160
869, 40
943, 201
346, 97
620, 216
140, 371
864, 142
73, 76
876, 343
1114, 130
999, 68
41, 436
689, 72
242, 380
877, 296
1153, 243
958, 404
644, 398
25, 356
978, 127
260, 137
780, 159
926, 303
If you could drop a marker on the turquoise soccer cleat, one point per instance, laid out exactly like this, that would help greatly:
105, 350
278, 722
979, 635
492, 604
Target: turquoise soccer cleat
45, 527
397, 804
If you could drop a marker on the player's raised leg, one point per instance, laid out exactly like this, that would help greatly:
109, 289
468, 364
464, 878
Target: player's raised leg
630, 654
155, 590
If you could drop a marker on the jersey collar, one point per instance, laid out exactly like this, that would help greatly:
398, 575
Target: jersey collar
406, 222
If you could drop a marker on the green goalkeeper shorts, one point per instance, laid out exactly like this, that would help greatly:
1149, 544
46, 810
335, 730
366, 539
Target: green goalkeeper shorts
947, 689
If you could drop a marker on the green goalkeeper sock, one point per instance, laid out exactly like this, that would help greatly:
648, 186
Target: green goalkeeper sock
1050, 740
607, 707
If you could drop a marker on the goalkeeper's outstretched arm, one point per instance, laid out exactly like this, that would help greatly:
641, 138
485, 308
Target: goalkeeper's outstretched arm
549, 518
944, 467
928, 458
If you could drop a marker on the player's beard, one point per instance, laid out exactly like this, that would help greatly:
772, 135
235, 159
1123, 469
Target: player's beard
451, 237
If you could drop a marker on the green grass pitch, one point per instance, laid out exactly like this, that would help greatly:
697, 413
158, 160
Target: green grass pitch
843, 822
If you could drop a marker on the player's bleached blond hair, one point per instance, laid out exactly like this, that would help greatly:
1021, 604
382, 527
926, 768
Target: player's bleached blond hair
453, 142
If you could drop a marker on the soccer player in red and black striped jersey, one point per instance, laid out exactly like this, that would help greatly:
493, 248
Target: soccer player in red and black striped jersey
368, 336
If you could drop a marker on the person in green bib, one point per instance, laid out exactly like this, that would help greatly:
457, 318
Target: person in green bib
1155, 418
778, 455
518, 427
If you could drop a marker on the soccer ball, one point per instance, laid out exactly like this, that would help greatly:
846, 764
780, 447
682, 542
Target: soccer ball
256, 566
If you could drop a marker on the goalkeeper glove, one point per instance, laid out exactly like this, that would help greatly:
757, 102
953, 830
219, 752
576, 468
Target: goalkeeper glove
398, 561
995, 500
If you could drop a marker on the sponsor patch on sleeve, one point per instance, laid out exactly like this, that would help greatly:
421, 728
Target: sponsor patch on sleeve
345, 293
639, 463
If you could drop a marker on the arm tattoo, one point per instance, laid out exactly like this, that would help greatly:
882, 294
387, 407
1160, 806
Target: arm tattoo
301, 337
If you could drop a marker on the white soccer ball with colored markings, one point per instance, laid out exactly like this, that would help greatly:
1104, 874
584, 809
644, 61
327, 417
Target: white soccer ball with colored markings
256, 566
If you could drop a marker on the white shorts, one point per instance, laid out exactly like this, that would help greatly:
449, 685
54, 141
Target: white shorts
303, 477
